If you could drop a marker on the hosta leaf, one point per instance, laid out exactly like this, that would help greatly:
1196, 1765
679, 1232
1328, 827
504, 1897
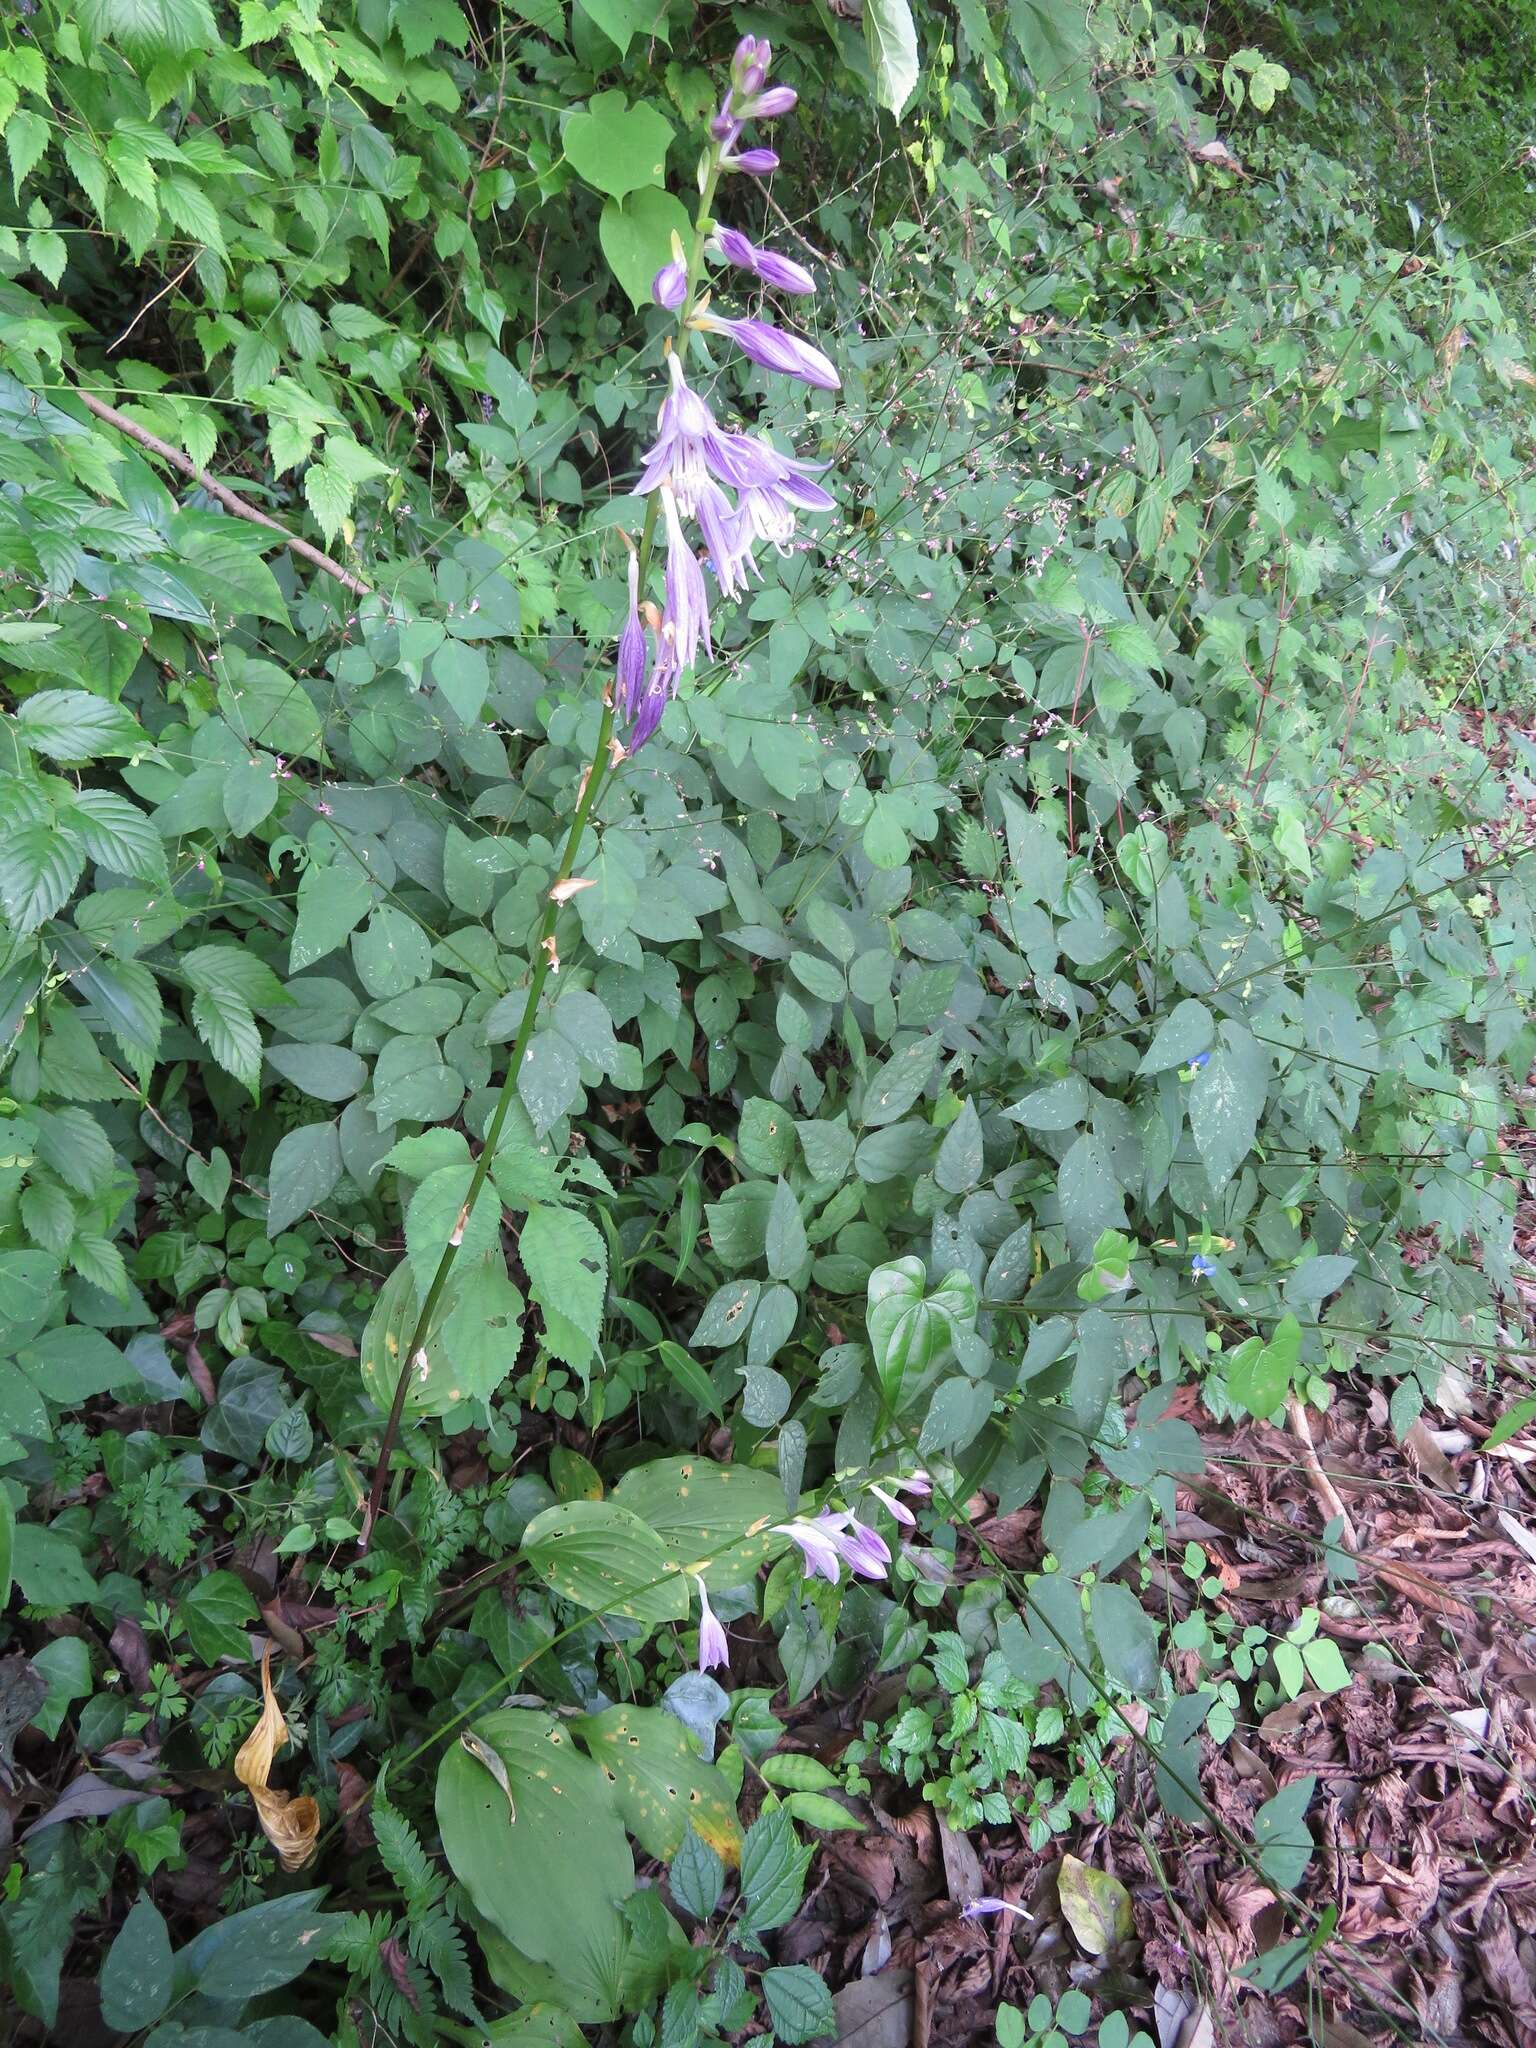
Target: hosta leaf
714, 1520
551, 1877
600, 1556
662, 1786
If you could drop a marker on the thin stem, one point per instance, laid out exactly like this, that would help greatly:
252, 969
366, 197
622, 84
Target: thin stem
599, 768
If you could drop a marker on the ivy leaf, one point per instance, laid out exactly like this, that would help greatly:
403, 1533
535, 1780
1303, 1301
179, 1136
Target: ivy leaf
616, 147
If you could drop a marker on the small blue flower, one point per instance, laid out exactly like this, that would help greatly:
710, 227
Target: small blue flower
1201, 1266
1200, 1059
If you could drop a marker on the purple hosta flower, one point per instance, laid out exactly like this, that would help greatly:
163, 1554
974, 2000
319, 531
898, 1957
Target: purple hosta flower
920, 1486
757, 163
669, 287
629, 676
648, 715
779, 272
689, 448
687, 610
774, 349
864, 1550
778, 99
1201, 1266
893, 1506
818, 1553
751, 55
979, 1909
713, 1647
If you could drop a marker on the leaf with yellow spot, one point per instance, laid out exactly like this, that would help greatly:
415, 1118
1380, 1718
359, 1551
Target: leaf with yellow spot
601, 1556
471, 1348
663, 1787
291, 1825
713, 1519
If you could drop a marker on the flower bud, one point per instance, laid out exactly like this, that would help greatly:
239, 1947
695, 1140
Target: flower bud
757, 163
669, 287
778, 99
723, 128
745, 52
753, 78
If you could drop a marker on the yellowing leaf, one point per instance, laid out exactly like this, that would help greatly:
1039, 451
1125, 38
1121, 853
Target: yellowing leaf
291, 1825
1097, 1906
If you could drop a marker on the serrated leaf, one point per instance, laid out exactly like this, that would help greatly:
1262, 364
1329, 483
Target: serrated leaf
567, 1266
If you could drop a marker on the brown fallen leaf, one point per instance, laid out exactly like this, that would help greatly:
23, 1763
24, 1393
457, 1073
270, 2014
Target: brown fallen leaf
291, 1825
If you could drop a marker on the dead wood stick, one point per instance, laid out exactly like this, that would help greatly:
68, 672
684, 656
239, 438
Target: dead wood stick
229, 499
1322, 1485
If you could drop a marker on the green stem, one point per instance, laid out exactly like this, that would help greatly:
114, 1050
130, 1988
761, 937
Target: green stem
598, 770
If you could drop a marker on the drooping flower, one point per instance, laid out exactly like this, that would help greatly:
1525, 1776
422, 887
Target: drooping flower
919, 1485
629, 678
669, 287
687, 608
714, 1649
979, 1909
893, 1506
782, 273
775, 349
818, 1553
863, 1549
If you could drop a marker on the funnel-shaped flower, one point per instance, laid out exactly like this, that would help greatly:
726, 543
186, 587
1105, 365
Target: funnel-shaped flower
714, 1649
777, 350
780, 273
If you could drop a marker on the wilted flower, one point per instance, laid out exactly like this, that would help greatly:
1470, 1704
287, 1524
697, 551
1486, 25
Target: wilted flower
687, 610
777, 350
779, 272
714, 1649
979, 1908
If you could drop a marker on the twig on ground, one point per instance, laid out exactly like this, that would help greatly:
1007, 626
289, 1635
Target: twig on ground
1322, 1485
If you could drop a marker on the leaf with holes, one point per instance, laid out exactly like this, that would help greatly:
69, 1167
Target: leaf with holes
663, 1787
600, 1556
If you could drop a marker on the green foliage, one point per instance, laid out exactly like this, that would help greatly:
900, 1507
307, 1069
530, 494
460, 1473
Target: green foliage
1059, 952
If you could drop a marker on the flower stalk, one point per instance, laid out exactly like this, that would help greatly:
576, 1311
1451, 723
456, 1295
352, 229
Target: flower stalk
683, 475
